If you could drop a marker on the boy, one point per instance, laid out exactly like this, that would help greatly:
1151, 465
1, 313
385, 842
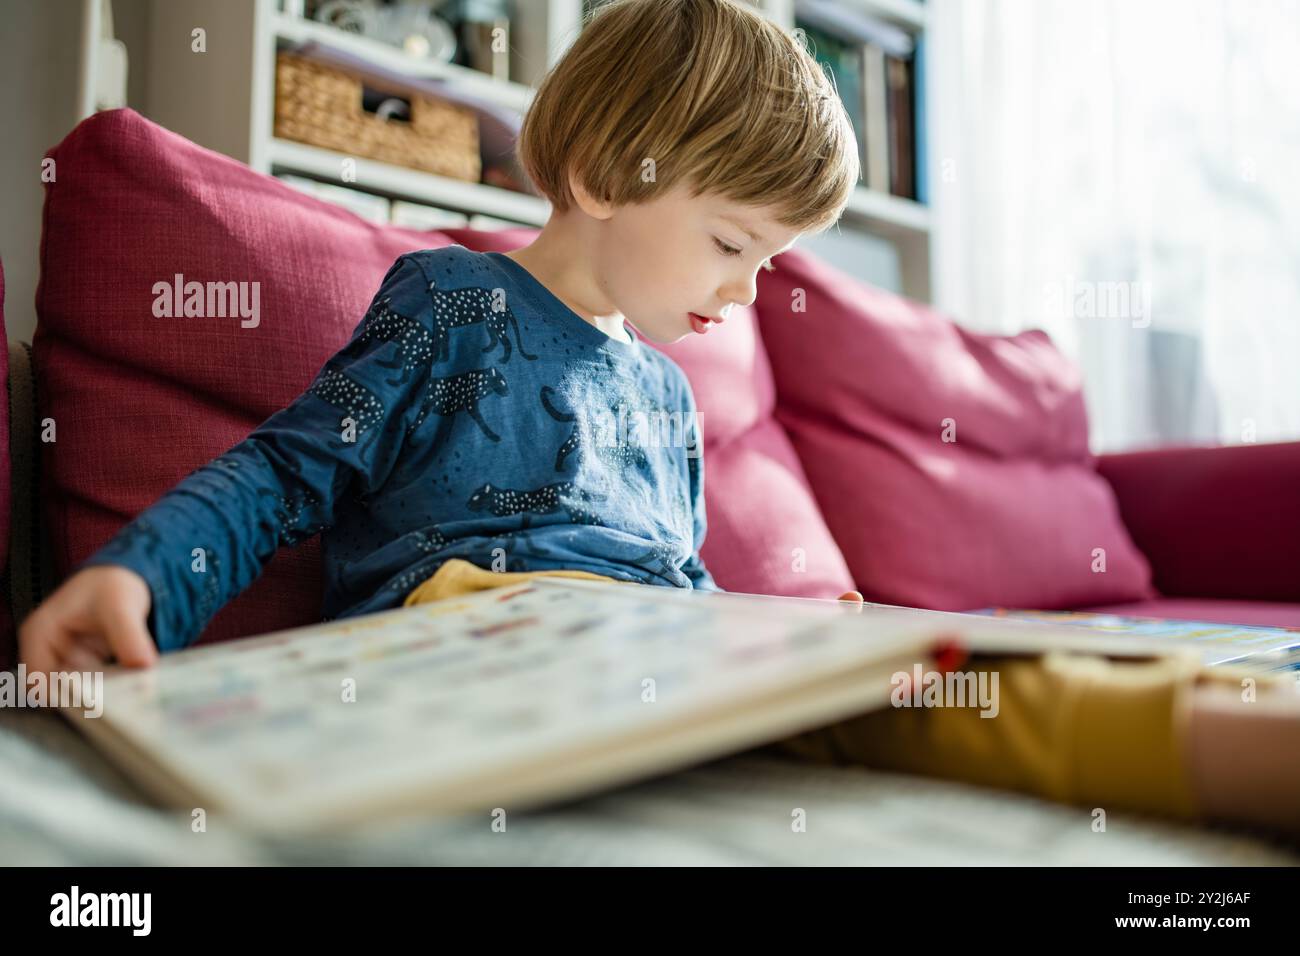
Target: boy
465, 436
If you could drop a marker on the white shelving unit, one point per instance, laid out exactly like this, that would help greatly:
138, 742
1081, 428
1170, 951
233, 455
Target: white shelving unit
892, 216
297, 30
402, 183
909, 14
903, 222
233, 109
242, 39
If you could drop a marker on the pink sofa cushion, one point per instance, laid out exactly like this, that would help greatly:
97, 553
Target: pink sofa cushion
1008, 511
141, 401
766, 535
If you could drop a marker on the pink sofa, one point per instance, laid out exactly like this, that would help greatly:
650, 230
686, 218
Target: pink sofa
852, 438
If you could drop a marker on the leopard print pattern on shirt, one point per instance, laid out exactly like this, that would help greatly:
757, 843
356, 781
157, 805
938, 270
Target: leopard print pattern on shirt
615, 454
454, 394
464, 307
414, 342
557, 496
362, 409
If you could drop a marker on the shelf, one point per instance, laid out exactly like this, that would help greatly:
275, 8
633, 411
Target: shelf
909, 14
400, 183
505, 93
890, 215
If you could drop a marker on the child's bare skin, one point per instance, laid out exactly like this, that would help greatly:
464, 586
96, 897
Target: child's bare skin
1244, 757
98, 615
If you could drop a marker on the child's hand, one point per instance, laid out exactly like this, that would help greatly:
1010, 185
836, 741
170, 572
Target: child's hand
853, 597
98, 614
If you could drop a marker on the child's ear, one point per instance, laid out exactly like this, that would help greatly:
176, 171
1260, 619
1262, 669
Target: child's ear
593, 207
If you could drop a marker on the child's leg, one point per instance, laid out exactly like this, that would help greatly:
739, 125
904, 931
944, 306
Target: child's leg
1245, 755
1079, 729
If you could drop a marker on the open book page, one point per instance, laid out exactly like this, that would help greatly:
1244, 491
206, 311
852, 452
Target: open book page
530, 692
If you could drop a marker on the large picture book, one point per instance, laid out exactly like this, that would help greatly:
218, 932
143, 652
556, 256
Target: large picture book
515, 697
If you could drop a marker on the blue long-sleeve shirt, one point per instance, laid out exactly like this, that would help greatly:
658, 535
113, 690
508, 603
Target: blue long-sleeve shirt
472, 415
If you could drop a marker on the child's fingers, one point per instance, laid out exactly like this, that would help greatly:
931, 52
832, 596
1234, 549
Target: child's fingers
85, 652
97, 644
128, 637
37, 644
95, 616
76, 655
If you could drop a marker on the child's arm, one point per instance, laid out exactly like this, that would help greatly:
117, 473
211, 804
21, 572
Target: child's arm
209, 537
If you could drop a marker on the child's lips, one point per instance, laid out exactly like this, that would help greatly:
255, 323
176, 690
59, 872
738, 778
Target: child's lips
701, 323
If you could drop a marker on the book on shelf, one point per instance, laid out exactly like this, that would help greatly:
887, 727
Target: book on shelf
875, 107
845, 63
898, 82
920, 133
873, 65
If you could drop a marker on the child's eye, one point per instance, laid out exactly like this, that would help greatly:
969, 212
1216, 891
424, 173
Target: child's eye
725, 249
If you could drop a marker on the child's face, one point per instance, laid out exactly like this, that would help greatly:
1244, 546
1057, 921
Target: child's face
660, 261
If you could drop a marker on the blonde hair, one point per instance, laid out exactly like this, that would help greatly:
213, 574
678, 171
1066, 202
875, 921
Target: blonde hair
720, 98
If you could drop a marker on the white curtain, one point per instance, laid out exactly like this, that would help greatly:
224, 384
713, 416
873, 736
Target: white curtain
1125, 174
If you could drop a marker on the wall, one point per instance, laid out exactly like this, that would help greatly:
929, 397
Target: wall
39, 54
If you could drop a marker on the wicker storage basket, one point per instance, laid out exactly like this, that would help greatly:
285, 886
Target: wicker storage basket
320, 105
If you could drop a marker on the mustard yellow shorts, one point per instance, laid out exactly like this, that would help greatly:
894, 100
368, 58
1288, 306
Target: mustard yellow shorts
458, 576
